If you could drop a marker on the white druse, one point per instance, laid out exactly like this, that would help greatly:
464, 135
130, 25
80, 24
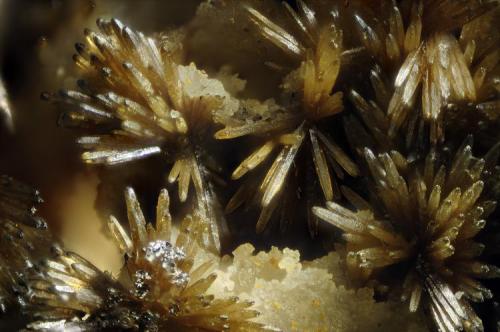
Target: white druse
307, 296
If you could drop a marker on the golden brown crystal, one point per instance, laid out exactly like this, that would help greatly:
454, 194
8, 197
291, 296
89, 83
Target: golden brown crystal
148, 103
164, 286
432, 67
290, 128
416, 211
427, 214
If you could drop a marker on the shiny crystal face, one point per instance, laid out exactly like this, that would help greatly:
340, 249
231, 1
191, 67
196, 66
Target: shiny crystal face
164, 254
141, 280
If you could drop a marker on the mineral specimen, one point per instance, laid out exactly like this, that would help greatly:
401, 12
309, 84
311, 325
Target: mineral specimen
308, 296
163, 288
481, 38
256, 88
141, 101
166, 281
296, 126
426, 216
432, 68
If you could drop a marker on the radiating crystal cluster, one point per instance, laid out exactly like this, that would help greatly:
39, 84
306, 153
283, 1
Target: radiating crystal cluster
294, 126
427, 214
166, 280
368, 126
433, 69
163, 287
140, 100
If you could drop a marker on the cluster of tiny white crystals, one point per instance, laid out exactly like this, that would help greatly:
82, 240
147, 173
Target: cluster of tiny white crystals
307, 296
